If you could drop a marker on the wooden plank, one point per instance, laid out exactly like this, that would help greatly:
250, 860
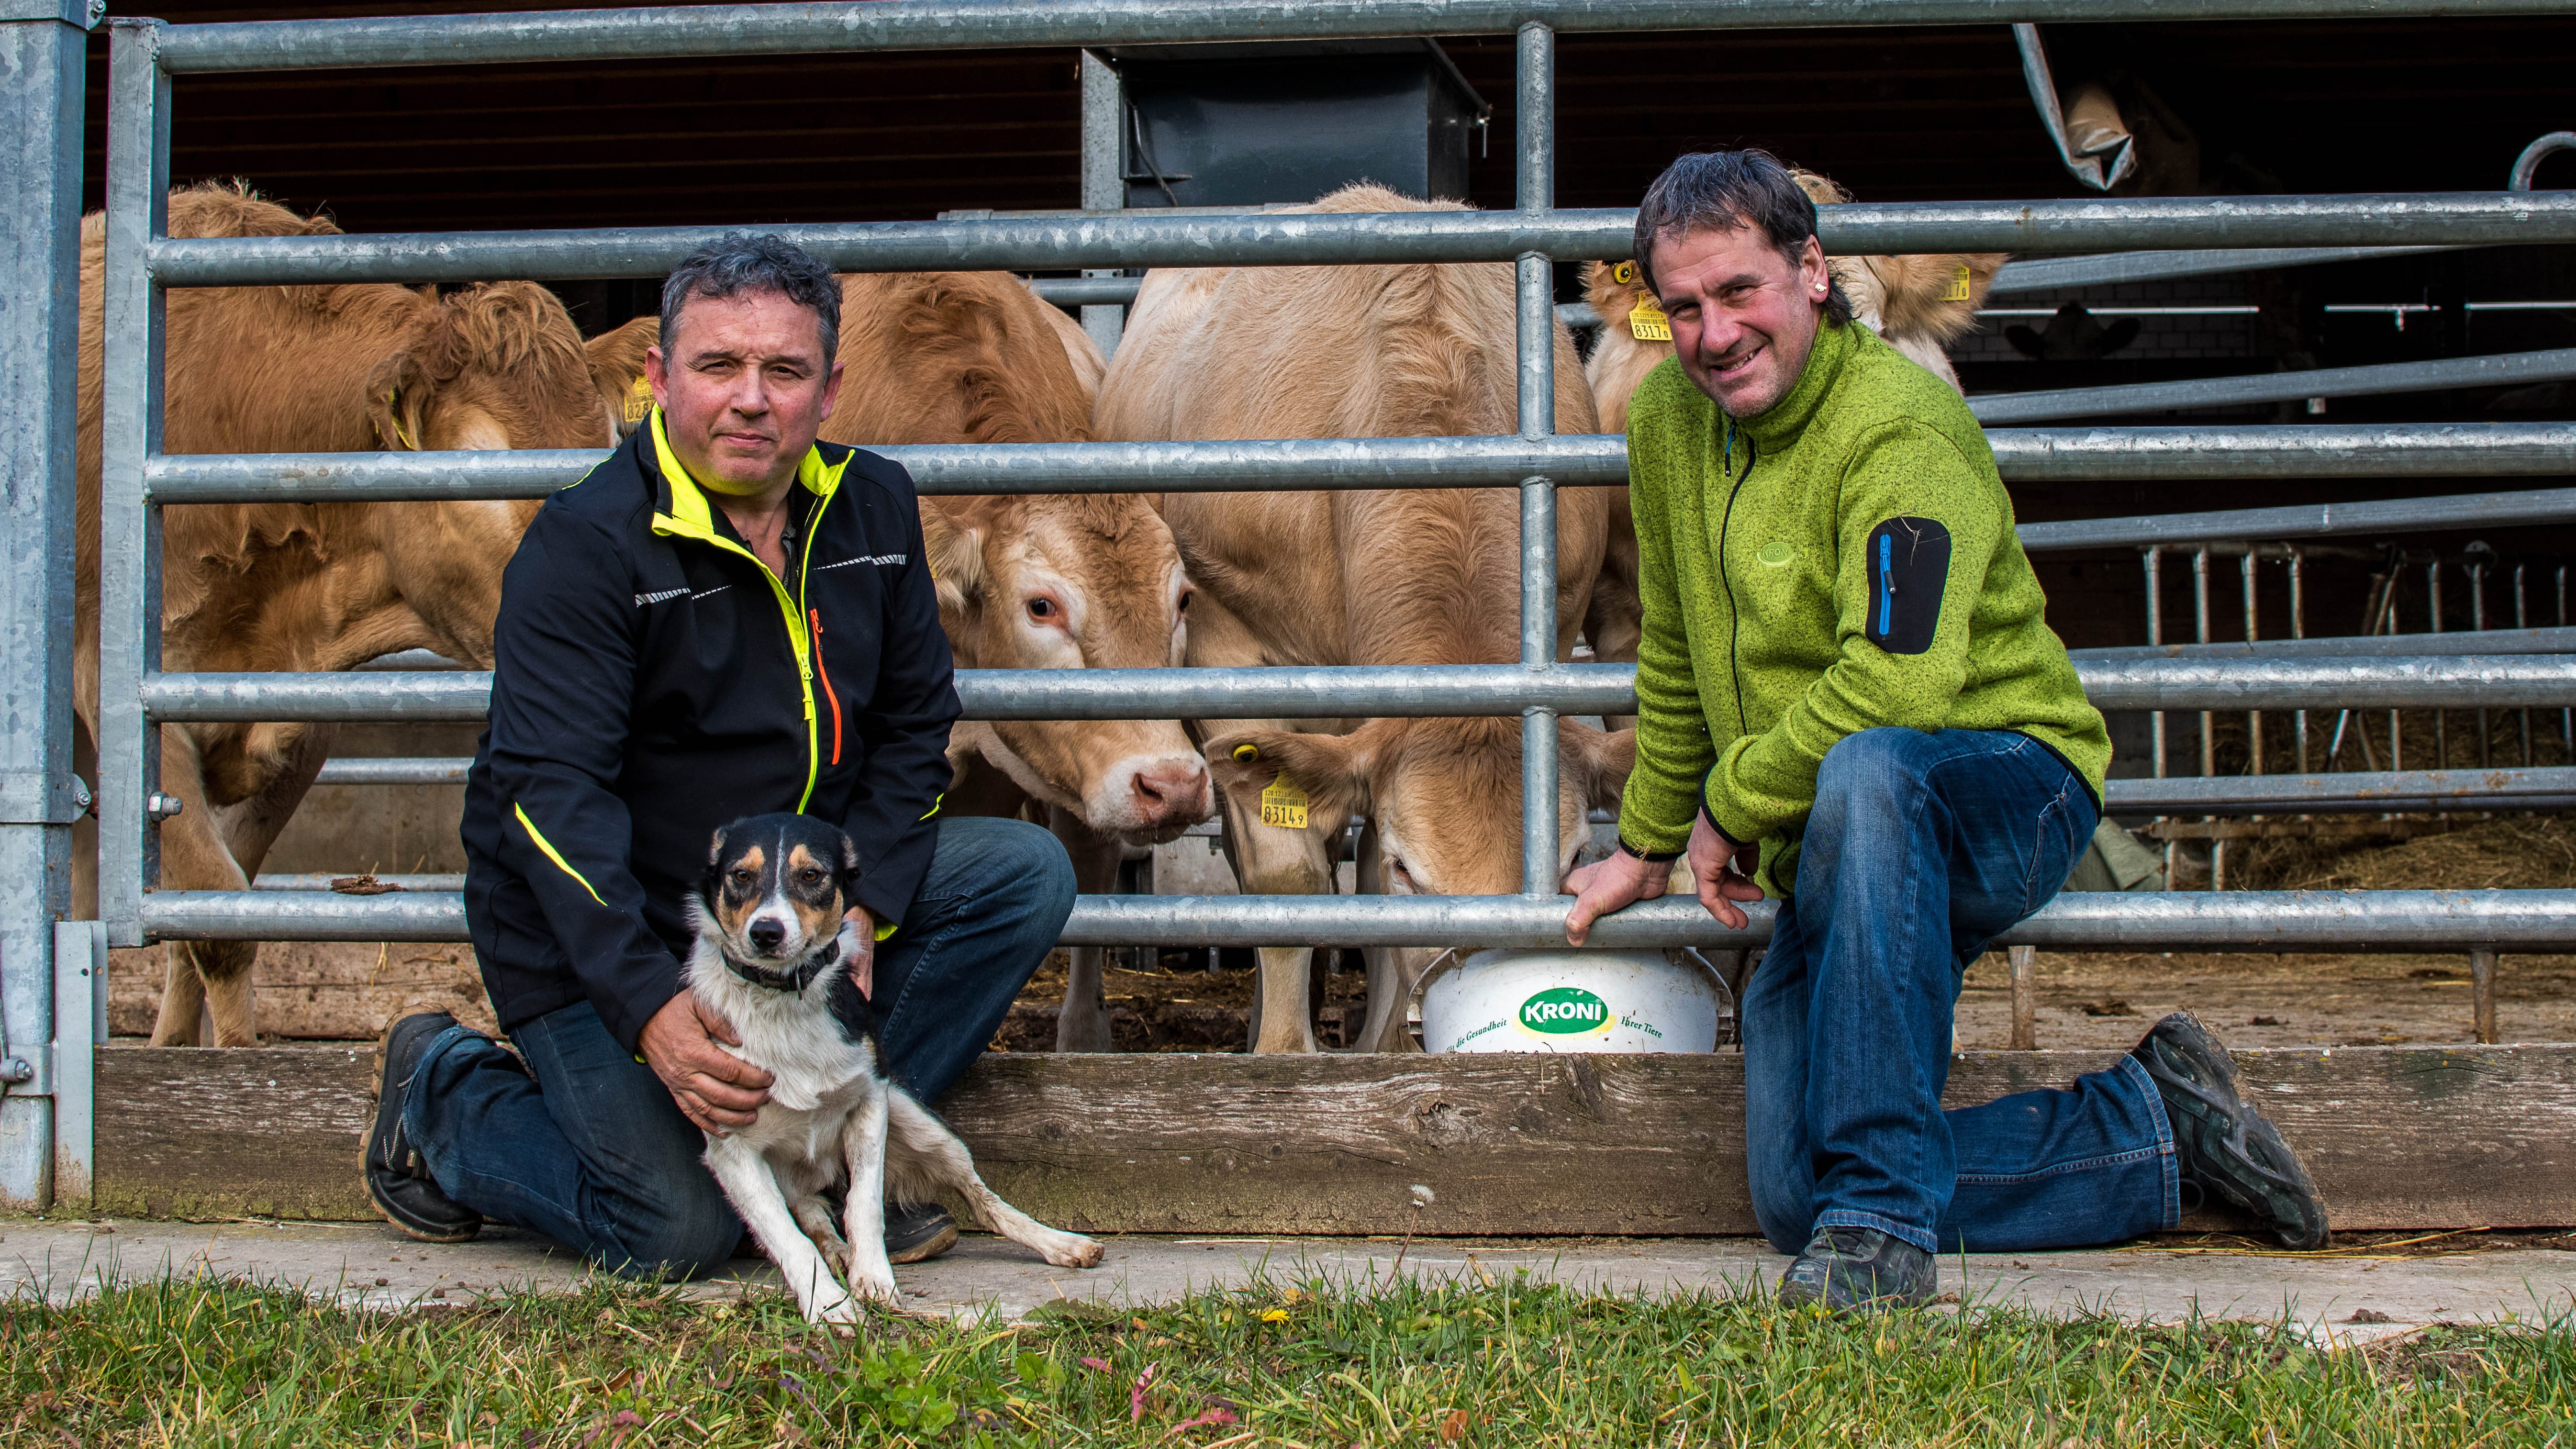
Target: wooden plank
2398, 1137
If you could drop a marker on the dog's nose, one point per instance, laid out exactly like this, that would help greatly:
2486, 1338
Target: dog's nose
765, 935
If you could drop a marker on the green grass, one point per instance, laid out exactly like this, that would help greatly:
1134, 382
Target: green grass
1315, 1364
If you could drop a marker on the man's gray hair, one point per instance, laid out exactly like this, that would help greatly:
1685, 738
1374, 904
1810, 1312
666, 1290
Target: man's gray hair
1729, 191
754, 262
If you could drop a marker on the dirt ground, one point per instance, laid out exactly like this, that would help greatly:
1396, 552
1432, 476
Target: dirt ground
327, 992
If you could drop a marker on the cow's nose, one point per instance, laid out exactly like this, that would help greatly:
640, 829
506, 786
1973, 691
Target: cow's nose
1166, 790
765, 935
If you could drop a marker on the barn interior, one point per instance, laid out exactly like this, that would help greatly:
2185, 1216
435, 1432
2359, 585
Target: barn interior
1893, 114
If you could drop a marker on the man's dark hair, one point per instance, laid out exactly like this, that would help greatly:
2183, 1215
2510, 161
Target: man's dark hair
1727, 191
754, 262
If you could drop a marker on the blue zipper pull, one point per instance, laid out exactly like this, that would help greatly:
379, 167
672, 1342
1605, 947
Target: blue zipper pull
1886, 584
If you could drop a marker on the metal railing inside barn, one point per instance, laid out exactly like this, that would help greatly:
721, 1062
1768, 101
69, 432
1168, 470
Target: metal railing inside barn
139, 480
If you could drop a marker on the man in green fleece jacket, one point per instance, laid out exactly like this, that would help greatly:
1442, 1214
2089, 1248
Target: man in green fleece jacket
1849, 699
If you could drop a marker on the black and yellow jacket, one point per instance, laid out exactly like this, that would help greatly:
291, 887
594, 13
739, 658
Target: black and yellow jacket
652, 680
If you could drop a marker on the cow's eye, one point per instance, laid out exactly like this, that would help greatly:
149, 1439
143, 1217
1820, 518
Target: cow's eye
1184, 605
1041, 608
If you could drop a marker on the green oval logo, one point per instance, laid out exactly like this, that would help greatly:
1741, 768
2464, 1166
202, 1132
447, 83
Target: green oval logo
1776, 552
1565, 1011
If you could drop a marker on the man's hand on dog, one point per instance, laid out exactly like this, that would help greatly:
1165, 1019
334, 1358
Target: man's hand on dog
863, 961
715, 1089
1723, 872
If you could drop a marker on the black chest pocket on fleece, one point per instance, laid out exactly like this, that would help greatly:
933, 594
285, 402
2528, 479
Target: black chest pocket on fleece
1909, 563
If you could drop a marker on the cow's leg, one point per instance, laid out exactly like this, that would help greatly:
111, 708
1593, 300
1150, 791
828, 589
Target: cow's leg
247, 828
211, 974
1082, 1023
1271, 860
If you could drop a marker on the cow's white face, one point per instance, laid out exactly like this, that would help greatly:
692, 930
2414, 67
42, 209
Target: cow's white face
1074, 583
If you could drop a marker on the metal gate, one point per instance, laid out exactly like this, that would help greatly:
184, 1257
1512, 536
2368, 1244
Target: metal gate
37, 791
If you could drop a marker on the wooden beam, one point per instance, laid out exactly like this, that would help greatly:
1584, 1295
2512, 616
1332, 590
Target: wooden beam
2397, 1137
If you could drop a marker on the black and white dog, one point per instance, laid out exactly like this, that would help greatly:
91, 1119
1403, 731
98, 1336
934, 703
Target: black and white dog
771, 959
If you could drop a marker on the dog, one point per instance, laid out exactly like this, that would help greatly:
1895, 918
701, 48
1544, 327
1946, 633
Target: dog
771, 958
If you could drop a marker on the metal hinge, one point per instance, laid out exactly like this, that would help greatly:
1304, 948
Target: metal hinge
33, 797
28, 1072
86, 14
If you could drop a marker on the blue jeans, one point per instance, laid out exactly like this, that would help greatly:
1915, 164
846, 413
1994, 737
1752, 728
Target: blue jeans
583, 1143
1921, 848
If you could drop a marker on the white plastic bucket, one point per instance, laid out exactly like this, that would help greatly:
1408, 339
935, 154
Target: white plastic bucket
1569, 1000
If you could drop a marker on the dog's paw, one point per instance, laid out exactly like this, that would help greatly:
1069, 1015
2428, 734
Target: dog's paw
877, 1290
1071, 1250
841, 1308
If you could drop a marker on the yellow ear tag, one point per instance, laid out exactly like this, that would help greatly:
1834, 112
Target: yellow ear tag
1283, 805
1958, 286
1624, 273
1647, 323
1247, 753
638, 403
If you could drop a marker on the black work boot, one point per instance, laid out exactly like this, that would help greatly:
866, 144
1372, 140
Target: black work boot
397, 1179
918, 1232
1847, 1268
2221, 1144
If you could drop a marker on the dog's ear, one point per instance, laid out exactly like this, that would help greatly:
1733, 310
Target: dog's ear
711, 884
849, 871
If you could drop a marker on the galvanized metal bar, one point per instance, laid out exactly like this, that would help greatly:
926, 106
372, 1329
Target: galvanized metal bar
2527, 165
1154, 239
2500, 681
1534, 182
129, 634
397, 770
1104, 112
2253, 628
2391, 921
2345, 792
2560, 640
2058, 273
2032, 455
80, 1029
2298, 637
2155, 558
985, 24
2505, 369
42, 78
310, 882
1106, 289
2398, 516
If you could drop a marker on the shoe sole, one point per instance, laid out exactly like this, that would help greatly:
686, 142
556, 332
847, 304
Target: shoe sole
2250, 1139
366, 1140
923, 1252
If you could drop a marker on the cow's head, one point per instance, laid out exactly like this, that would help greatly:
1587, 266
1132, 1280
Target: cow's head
1443, 794
1073, 582
498, 365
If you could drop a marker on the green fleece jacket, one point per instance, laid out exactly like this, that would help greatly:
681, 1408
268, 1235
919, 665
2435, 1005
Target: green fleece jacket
1844, 561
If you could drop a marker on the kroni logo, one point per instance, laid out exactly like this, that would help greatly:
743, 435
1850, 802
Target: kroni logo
1565, 1011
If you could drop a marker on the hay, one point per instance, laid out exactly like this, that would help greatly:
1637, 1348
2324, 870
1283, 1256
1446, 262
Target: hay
2515, 852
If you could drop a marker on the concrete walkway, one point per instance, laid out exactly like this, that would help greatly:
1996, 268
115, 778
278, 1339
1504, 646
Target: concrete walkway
2353, 1297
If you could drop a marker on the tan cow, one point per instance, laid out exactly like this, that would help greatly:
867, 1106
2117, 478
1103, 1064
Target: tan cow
309, 587
1429, 576
1025, 581
1919, 303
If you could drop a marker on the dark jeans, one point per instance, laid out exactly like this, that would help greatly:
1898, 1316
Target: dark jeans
584, 1144
1921, 848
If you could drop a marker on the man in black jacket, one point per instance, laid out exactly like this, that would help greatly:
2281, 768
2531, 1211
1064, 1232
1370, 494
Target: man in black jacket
725, 618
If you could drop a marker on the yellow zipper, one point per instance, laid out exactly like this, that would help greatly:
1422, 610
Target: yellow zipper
792, 609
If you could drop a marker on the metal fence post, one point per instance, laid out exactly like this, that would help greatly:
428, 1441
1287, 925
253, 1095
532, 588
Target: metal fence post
1104, 186
1535, 184
80, 1028
129, 584
42, 77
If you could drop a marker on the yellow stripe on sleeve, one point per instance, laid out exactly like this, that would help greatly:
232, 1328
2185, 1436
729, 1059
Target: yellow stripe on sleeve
551, 853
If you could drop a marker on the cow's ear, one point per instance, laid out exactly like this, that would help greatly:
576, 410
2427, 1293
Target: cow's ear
954, 547
397, 396
616, 361
1281, 775
1600, 759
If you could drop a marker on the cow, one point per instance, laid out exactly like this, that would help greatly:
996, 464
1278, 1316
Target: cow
307, 586
1026, 581
1919, 303
1401, 576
